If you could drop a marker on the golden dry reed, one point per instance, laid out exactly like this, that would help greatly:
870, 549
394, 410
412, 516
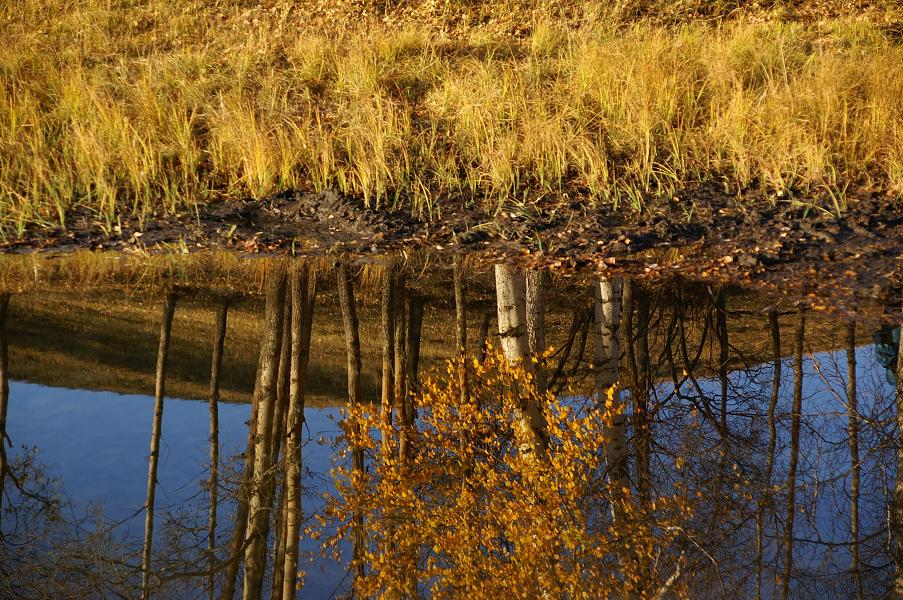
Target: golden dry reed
125, 108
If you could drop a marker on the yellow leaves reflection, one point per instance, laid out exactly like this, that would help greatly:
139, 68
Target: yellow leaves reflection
466, 514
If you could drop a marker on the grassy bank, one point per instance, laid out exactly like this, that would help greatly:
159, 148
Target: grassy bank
143, 108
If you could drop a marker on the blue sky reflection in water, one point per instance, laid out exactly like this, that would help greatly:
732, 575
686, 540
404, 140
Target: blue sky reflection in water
822, 524
97, 444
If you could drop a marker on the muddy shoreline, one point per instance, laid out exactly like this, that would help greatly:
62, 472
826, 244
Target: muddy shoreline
785, 245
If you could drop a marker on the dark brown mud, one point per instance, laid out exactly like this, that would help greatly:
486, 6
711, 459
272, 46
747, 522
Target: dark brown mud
783, 244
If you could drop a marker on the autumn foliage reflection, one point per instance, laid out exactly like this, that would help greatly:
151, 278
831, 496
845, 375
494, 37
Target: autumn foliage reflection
468, 513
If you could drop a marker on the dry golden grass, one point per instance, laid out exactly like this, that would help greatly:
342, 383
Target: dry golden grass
156, 107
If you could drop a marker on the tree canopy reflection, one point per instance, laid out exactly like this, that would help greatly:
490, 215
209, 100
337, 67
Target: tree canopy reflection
507, 432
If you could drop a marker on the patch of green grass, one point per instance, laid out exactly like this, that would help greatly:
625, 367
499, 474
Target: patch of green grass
156, 107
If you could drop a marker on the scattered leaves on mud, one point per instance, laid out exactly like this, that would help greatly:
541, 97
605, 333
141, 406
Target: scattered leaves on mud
775, 243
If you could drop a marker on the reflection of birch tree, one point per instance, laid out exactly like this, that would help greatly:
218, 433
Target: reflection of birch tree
387, 312
277, 434
511, 300
764, 500
403, 408
607, 354
853, 429
537, 284
303, 297
350, 325
265, 390
635, 319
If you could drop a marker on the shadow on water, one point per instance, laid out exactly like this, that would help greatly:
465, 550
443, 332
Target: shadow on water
433, 426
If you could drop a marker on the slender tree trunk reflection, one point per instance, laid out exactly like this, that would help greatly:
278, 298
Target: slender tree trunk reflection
304, 292
403, 407
216, 363
635, 327
353, 354
169, 308
237, 543
537, 283
723, 352
795, 421
853, 429
4, 394
268, 371
277, 482
387, 309
765, 497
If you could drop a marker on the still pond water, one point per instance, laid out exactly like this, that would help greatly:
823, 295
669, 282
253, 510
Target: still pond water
737, 419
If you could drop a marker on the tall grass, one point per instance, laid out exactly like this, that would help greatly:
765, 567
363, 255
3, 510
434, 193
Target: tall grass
117, 108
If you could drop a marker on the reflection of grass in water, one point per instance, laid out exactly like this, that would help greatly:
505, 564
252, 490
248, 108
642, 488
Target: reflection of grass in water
145, 109
110, 342
92, 320
107, 339
136, 274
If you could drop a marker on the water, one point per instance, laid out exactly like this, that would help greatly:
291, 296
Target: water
95, 443
80, 414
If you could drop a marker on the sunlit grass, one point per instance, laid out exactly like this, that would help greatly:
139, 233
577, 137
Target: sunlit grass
146, 109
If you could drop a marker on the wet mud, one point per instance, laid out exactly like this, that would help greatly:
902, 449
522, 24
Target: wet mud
781, 243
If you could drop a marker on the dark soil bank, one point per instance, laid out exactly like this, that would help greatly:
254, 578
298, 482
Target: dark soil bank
785, 244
